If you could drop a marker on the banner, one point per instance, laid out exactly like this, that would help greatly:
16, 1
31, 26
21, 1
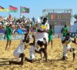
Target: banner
52, 16
24, 10
2, 9
13, 9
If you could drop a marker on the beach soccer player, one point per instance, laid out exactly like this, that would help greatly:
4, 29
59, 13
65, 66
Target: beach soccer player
64, 32
67, 46
37, 49
32, 49
51, 32
43, 29
42, 46
18, 53
8, 34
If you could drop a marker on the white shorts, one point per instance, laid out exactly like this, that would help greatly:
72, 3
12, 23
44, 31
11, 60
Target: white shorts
65, 50
17, 56
32, 52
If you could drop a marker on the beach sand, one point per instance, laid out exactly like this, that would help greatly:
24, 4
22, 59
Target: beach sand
54, 56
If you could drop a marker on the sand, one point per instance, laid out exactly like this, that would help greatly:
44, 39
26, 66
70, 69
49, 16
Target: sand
54, 56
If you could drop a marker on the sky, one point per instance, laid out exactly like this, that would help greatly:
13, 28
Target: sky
36, 6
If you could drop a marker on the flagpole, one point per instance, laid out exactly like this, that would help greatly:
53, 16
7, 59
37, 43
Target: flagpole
20, 12
9, 12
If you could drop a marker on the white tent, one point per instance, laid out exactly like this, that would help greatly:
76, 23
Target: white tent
39, 21
74, 27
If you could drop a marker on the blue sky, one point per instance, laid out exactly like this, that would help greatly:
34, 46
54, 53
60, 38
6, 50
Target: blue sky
36, 6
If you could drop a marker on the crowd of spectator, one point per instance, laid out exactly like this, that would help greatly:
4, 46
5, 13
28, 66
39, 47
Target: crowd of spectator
22, 23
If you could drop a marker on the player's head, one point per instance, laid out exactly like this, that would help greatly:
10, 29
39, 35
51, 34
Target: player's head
33, 36
50, 26
65, 25
45, 20
68, 35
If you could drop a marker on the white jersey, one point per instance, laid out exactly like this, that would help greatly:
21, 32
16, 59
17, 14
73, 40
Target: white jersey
67, 46
44, 34
68, 42
32, 52
19, 49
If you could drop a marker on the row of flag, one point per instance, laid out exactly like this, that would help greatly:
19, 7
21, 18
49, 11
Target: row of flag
14, 9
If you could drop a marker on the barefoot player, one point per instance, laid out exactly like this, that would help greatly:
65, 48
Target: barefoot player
67, 46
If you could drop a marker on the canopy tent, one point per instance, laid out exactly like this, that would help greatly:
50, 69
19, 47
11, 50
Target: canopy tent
74, 28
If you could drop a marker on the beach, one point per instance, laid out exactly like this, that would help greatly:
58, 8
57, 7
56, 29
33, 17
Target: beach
54, 58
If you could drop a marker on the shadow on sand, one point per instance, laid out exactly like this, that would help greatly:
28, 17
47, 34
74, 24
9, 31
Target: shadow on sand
5, 61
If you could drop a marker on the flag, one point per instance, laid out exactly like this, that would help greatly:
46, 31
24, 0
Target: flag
52, 16
13, 9
24, 10
2, 9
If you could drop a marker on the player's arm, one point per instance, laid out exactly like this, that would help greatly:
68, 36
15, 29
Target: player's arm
53, 32
13, 32
67, 30
74, 40
47, 30
25, 46
4, 34
41, 30
33, 40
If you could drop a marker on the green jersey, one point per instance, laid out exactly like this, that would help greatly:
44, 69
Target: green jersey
65, 31
50, 35
50, 31
8, 31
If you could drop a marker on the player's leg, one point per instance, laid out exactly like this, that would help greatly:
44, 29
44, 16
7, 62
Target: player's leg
43, 50
9, 41
22, 55
65, 51
7, 44
74, 52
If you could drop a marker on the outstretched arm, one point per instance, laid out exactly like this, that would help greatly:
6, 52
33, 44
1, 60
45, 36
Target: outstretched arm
4, 34
33, 40
41, 30
74, 41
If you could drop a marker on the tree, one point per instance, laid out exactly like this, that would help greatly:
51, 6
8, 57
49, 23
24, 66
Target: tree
75, 16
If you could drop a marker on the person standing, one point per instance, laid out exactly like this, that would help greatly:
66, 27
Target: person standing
67, 46
8, 34
64, 32
51, 32
43, 32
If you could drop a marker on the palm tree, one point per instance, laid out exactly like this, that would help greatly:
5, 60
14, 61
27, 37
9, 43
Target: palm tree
75, 16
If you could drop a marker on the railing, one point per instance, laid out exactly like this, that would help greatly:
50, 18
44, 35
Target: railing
16, 37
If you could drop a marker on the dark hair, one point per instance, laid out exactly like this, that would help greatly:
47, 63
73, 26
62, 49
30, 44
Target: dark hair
45, 19
65, 26
68, 34
50, 26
